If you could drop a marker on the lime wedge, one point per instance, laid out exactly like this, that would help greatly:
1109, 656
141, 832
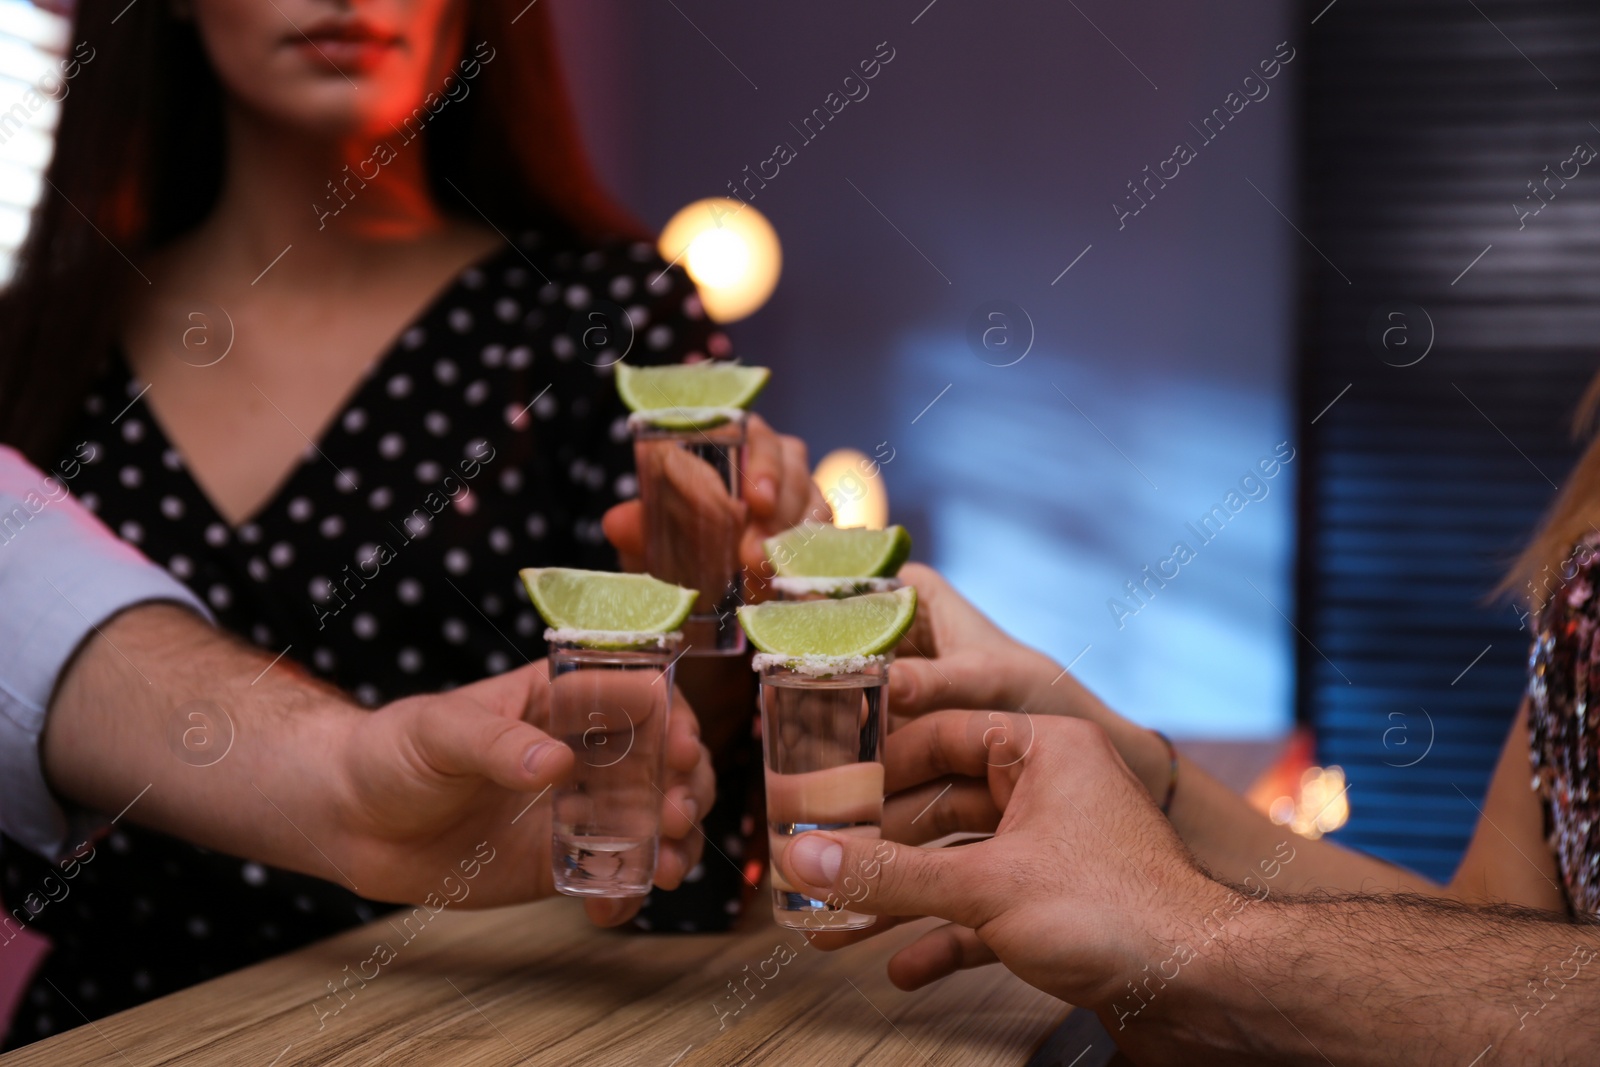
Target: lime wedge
860, 626
598, 600
817, 550
686, 395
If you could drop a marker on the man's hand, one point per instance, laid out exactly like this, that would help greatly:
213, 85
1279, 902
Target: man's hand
1086, 893
777, 487
281, 769
1083, 884
431, 776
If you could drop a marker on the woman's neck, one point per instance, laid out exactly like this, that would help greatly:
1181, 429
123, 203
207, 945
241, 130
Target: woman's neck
282, 187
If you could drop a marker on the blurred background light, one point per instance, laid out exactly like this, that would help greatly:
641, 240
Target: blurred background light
852, 484
1320, 805
32, 42
730, 250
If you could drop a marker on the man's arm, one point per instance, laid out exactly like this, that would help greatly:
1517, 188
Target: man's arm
183, 729
146, 721
1383, 980
62, 576
117, 702
1086, 892
208, 740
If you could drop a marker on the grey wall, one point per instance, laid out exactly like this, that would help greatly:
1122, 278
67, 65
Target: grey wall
992, 148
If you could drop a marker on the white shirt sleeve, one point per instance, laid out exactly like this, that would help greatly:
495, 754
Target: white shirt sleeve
62, 576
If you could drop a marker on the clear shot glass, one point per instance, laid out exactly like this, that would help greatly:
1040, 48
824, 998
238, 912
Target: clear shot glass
822, 726
694, 514
610, 706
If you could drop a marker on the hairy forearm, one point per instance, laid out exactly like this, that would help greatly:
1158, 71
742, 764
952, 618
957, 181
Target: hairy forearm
1375, 980
205, 738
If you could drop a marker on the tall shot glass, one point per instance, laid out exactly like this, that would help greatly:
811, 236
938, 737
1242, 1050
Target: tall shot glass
610, 706
822, 726
694, 513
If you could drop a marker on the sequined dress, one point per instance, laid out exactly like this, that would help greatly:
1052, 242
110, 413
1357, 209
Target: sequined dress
1564, 726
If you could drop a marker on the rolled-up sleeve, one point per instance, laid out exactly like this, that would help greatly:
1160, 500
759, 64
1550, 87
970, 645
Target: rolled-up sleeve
62, 575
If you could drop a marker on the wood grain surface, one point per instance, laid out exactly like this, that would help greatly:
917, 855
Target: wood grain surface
537, 984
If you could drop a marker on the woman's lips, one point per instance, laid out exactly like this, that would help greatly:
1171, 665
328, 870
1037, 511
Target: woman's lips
352, 49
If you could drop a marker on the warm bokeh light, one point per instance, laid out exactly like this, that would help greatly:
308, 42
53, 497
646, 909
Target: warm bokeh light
33, 44
1322, 806
717, 258
730, 250
853, 485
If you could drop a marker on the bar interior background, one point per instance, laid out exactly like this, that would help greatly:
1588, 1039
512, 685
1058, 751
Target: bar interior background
1180, 328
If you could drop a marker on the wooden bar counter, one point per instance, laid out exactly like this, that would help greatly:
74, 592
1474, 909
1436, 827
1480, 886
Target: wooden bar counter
537, 984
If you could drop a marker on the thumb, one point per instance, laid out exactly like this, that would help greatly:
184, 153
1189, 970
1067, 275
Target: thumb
460, 738
511, 693
878, 877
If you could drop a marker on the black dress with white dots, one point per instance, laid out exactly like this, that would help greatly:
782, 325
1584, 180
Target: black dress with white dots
488, 437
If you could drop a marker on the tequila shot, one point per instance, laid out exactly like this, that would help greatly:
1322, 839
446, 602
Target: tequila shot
694, 516
610, 706
822, 726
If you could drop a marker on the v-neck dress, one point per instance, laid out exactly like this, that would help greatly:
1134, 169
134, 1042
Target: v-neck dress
488, 438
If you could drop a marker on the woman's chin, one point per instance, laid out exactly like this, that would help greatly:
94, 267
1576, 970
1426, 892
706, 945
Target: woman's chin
327, 105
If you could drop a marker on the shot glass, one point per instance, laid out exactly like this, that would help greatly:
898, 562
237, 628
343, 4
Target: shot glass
610, 706
694, 514
830, 588
822, 727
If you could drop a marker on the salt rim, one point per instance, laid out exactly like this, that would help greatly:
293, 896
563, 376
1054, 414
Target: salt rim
614, 640
704, 418
817, 666
832, 586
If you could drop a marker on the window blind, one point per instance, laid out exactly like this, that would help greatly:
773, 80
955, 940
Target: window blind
1452, 310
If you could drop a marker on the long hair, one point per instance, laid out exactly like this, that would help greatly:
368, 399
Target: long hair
1543, 565
139, 160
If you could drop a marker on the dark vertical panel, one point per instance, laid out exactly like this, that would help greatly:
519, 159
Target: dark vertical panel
1424, 124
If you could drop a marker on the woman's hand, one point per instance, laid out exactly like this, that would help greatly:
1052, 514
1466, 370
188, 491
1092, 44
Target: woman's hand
777, 488
956, 658
429, 778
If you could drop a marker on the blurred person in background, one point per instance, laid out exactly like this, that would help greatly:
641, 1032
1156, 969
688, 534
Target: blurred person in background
318, 310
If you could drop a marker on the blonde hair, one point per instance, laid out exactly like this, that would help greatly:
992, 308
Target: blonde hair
1543, 565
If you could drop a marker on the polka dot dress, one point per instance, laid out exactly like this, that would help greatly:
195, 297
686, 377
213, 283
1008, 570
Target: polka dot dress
488, 438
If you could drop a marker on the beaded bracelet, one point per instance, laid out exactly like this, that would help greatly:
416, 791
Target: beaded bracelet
1172, 776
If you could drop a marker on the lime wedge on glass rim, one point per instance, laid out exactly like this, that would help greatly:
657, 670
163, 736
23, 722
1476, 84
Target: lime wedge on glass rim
818, 550
687, 395
570, 599
869, 625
